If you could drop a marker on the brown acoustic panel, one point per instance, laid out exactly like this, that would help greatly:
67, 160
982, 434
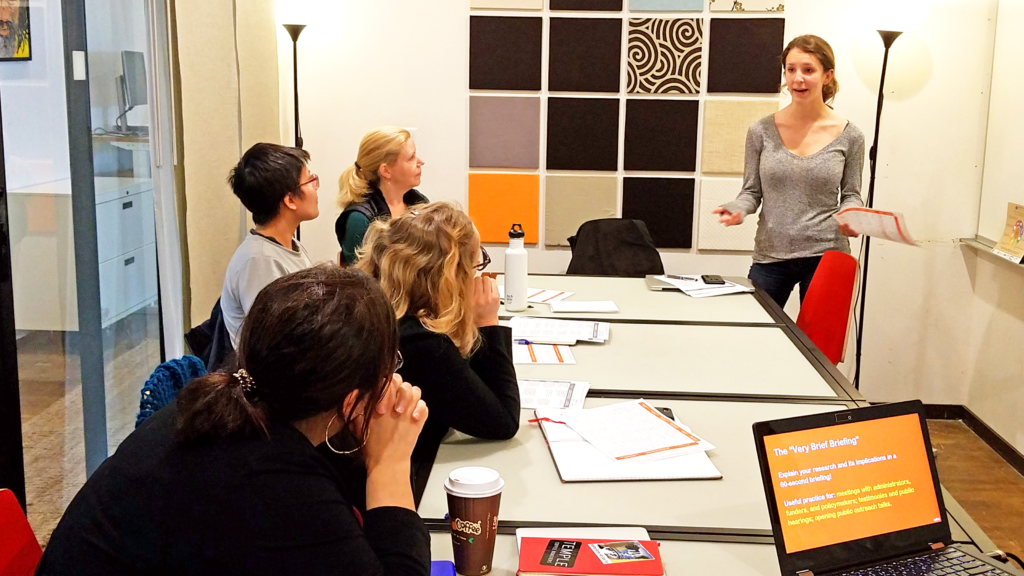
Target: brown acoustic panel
504, 53
584, 54
744, 55
569, 201
661, 135
504, 132
665, 205
583, 134
588, 5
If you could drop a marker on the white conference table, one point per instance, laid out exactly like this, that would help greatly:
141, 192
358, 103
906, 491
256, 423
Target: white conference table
636, 302
688, 358
534, 493
679, 558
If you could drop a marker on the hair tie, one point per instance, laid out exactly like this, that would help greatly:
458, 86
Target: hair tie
246, 382
357, 165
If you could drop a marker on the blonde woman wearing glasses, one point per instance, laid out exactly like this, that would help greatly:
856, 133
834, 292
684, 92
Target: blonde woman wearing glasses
378, 185
426, 261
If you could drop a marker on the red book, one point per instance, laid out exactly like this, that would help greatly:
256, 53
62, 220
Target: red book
583, 557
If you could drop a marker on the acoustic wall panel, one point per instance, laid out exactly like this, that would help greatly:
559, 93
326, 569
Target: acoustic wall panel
666, 207
725, 132
587, 5
584, 54
666, 5
507, 4
661, 135
747, 6
572, 200
504, 53
664, 55
504, 132
744, 55
496, 201
583, 134
711, 234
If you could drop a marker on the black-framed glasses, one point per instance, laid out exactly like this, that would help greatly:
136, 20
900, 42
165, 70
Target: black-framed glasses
485, 259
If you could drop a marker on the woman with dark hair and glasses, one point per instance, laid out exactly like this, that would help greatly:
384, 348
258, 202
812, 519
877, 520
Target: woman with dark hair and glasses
426, 261
226, 480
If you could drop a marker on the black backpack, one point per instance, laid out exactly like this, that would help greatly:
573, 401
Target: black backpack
614, 247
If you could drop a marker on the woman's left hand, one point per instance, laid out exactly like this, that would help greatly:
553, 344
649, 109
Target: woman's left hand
485, 301
845, 230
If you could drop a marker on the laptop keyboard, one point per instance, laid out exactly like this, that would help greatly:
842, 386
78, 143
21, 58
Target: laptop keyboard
948, 561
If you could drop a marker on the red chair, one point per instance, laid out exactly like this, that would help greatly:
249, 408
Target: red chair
19, 549
825, 312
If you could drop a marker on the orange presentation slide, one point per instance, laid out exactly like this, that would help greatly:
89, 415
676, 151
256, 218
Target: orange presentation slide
851, 481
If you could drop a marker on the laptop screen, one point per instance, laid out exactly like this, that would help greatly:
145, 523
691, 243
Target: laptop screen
845, 482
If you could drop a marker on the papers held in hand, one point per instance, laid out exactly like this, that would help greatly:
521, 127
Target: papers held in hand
877, 224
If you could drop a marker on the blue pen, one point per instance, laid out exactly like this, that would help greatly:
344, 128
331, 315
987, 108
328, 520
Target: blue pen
522, 341
684, 278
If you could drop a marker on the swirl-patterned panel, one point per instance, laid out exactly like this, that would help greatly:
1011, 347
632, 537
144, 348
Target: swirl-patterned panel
664, 55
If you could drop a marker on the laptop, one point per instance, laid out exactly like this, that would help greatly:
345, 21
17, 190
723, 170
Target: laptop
656, 284
857, 493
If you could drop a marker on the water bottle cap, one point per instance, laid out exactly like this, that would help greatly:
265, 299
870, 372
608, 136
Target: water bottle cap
516, 232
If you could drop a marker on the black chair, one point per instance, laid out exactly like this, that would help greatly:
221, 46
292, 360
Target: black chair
614, 247
210, 340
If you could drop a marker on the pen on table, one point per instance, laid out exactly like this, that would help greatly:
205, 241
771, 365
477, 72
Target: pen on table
522, 341
683, 278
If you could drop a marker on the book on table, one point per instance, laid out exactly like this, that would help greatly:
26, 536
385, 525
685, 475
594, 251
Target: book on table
589, 556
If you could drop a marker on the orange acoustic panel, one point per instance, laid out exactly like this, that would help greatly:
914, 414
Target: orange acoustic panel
496, 201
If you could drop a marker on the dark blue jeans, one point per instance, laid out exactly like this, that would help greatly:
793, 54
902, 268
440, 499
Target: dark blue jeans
779, 278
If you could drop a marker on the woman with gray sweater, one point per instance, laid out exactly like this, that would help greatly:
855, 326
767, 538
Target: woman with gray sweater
802, 165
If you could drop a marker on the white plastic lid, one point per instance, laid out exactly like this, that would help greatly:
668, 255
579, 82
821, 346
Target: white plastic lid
474, 482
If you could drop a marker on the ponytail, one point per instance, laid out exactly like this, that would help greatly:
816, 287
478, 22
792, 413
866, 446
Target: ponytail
216, 406
352, 186
379, 146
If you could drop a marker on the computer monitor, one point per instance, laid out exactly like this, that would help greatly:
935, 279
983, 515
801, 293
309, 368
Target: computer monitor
131, 88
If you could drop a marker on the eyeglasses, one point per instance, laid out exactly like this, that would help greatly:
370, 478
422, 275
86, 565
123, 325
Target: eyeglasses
485, 259
398, 361
315, 180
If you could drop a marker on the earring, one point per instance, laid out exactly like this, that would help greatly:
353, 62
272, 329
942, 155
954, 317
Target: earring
327, 440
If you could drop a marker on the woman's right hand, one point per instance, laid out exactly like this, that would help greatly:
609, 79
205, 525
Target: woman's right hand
395, 426
728, 218
486, 301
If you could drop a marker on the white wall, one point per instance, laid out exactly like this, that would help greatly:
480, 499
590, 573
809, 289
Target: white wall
935, 313
35, 117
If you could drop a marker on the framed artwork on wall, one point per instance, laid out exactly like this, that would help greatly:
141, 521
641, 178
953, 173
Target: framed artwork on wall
15, 41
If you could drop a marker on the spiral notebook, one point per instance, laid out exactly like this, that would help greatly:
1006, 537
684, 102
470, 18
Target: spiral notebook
579, 461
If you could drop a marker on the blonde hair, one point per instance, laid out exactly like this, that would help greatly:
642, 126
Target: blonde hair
424, 261
379, 146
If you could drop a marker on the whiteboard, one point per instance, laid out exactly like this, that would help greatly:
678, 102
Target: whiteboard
1004, 147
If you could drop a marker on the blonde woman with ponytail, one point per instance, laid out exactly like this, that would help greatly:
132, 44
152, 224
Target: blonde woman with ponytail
378, 185
426, 261
802, 165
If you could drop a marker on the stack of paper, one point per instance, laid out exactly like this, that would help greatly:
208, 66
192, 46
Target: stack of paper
624, 441
560, 394
546, 331
539, 295
584, 306
527, 353
695, 287
876, 223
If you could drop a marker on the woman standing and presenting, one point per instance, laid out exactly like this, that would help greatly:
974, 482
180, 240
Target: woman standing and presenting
802, 165
226, 479
380, 184
426, 261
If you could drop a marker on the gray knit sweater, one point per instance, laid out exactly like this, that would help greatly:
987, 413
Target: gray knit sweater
798, 195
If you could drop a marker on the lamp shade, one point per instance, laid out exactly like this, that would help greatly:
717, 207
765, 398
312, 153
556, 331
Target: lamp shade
896, 15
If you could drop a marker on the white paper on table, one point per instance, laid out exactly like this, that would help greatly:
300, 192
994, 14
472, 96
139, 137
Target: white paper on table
580, 461
877, 224
549, 331
559, 394
634, 431
695, 287
584, 306
542, 354
539, 295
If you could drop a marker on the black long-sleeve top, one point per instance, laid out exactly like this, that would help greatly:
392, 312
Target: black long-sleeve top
232, 506
478, 396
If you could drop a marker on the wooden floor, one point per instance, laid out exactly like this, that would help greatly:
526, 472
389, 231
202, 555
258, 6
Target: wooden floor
982, 482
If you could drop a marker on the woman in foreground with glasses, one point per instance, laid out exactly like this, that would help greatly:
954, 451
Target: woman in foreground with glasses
226, 478
426, 261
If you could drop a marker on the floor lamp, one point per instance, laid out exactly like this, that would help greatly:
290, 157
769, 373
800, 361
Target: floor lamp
294, 30
888, 37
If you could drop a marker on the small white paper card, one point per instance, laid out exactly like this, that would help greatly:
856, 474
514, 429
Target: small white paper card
584, 306
559, 394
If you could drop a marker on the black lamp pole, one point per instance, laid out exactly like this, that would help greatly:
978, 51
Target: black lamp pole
888, 37
294, 30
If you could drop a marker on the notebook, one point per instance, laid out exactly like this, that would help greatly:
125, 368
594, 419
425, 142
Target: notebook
857, 492
586, 556
580, 461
